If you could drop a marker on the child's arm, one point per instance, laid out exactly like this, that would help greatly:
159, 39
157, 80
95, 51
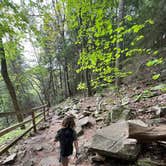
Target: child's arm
56, 138
76, 144
76, 147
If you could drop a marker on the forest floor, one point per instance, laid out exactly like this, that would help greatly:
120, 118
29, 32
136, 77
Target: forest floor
39, 148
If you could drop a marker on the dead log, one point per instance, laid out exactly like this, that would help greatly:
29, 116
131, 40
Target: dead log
147, 134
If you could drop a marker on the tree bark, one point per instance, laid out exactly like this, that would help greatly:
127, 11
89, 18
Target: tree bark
38, 93
8, 83
67, 79
119, 44
60, 77
89, 90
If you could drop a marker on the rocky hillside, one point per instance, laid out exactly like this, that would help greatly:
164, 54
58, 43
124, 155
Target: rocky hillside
125, 128
129, 125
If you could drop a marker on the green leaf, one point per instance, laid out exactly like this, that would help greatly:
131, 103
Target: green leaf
128, 18
150, 21
156, 76
154, 62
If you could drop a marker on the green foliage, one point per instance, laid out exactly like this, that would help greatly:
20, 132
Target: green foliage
81, 86
154, 62
156, 76
98, 37
161, 87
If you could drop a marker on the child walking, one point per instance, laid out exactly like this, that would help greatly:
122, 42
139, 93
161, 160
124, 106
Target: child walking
67, 137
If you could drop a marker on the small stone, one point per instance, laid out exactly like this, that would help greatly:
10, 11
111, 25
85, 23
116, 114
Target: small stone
28, 163
145, 162
86, 122
99, 119
38, 148
21, 154
163, 112
44, 126
86, 113
98, 158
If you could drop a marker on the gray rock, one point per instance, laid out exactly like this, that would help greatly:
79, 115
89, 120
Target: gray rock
81, 116
79, 131
75, 101
163, 112
10, 159
47, 161
76, 108
67, 108
37, 148
44, 126
113, 141
86, 121
125, 100
98, 158
155, 121
86, 113
47, 147
118, 113
99, 119
21, 154
28, 163
157, 111
145, 162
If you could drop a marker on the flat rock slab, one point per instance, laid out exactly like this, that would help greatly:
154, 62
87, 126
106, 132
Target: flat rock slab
113, 141
49, 161
10, 159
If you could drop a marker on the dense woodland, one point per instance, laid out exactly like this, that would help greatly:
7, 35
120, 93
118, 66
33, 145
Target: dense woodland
80, 47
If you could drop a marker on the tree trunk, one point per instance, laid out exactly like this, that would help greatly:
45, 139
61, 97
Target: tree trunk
65, 83
60, 77
38, 93
67, 80
8, 83
89, 91
119, 44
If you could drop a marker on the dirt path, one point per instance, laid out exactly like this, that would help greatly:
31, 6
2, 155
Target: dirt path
39, 150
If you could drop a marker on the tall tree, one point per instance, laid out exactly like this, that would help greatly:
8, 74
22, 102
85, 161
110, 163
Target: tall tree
10, 87
119, 45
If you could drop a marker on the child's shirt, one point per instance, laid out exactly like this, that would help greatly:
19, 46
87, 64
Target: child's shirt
66, 137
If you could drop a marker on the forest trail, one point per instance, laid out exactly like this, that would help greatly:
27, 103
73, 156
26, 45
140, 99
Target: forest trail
41, 151
39, 148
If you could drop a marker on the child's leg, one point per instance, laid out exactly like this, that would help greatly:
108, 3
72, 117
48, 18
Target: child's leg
65, 161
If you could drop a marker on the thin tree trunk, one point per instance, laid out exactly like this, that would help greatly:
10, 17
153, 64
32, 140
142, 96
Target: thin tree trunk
60, 77
89, 91
65, 83
119, 44
67, 80
38, 93
9, 84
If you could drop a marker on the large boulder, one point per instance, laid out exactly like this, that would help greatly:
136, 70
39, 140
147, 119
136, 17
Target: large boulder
86, 122
118, 113
113, 141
